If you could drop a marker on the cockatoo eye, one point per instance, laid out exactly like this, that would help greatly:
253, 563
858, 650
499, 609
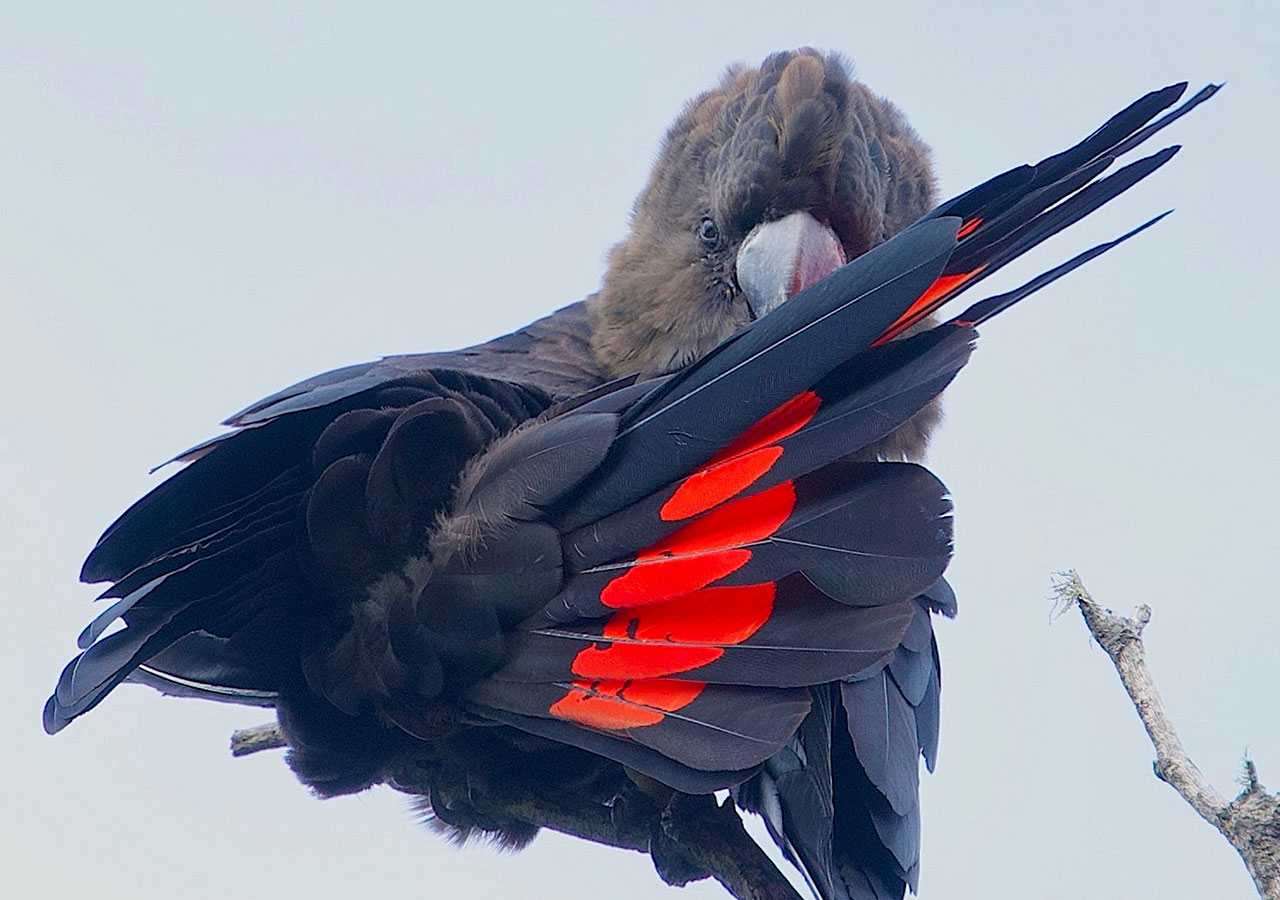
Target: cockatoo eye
708, 233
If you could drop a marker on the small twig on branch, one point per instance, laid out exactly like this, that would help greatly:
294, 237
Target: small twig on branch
1250, 822
257, 739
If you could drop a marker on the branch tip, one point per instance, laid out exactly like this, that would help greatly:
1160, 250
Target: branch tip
1250, 822
267, 736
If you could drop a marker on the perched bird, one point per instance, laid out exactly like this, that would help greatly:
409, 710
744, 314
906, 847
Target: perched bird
661, 543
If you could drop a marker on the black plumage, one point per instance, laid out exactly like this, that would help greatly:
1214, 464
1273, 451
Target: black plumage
660, 535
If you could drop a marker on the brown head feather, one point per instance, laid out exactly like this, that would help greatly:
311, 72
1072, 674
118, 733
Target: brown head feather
797, 133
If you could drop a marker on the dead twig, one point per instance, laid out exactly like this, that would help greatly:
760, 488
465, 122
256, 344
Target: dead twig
256, 739
1250, 822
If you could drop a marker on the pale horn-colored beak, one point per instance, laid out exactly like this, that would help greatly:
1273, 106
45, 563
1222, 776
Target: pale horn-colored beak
781, 258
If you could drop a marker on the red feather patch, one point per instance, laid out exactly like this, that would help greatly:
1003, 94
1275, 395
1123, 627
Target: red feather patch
703, 551
927, 302
654, 640
616, 705
661, 581
742, 463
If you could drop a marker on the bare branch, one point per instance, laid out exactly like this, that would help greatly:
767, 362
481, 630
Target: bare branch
1250, 822
257, 739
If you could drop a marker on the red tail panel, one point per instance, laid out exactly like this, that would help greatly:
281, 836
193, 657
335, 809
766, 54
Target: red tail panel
624, 661
717, 482
653, 635
617, 705
741, 522
703, 551
927, 302
661, 581
743, 462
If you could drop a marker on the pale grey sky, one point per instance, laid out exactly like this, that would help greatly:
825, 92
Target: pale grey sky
200, 203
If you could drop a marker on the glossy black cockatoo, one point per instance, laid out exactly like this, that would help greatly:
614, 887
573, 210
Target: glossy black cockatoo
668, 539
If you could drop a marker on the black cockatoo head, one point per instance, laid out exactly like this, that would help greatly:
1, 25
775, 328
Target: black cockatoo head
763, 185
